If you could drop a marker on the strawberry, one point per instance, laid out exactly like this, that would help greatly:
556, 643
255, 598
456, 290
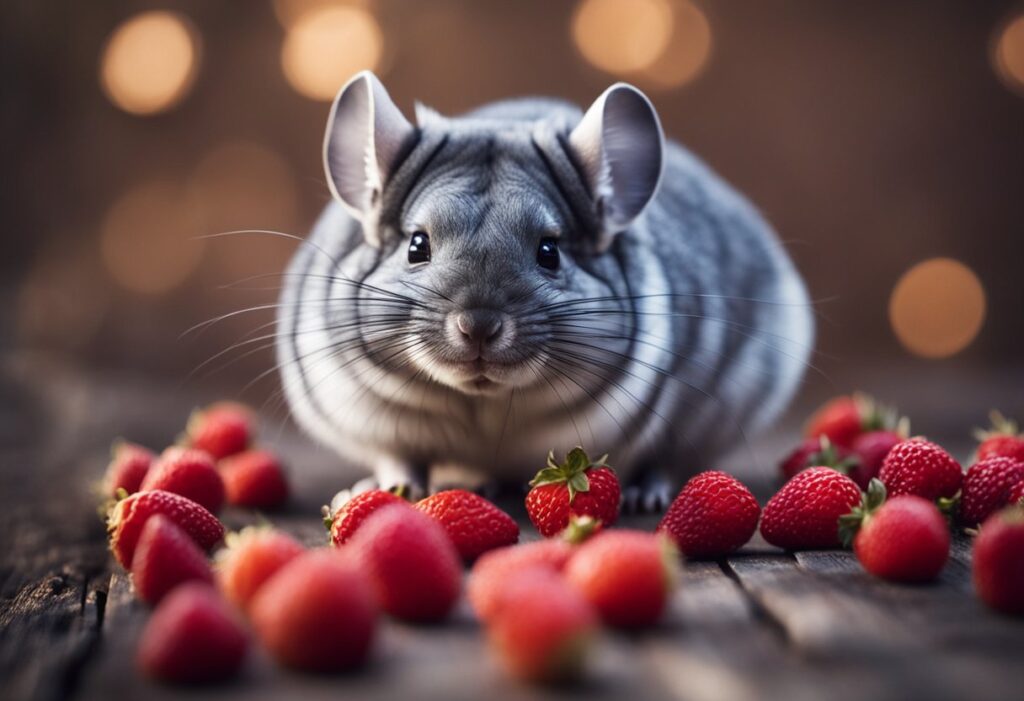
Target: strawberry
986, 489
474, 524
870, 449
998, 561
713, 515
128, 466
344, 522
805, 512
844, 418
249, 560
545, 631
577, 486
254, 478
193, 637
627, 576
1003, 439
903, 539
317, 613
164, 558
190, 473
817, 452
412, 563
484, 588
1017, 494
920, 467
128, 516
221, 429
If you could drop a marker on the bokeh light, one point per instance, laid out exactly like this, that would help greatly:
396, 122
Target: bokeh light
937, 308
287, 11
325, 46
1008, 53
622, 36
244, 185
687, 52
148, 238
150, 62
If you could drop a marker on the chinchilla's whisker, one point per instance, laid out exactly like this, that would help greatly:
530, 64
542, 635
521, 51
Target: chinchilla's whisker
740, 328
681, 295
587, 332
303, 304
568, 412
365, 323
328, 350
663, 373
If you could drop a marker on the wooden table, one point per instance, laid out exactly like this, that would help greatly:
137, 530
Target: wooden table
761, 625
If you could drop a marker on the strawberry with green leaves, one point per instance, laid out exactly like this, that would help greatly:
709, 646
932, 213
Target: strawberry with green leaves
844, 418
902, 539
1003, 439
578, 486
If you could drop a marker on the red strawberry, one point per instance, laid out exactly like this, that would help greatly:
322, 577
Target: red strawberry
128, 466
842, 419
838, 419
254, 478
627, 576
344, 522
474, 524
871, 449
817, 452
221, 429
577, 486
164, 558
193, 637
1003, 439
129, 515
545, 631
986, 489
190, 473
250, 559
412, 563
998, 561
903, 539
713, 515
805, 512
1017, 494
920, 467
317, 613
484, 588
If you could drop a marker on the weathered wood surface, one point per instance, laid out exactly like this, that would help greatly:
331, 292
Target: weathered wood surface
762, 625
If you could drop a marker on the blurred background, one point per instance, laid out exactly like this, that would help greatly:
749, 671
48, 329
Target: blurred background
885, 142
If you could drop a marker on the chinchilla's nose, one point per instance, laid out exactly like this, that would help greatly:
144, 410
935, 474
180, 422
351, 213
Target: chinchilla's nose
479, 326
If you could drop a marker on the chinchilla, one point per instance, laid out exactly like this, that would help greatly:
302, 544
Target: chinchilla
526, 277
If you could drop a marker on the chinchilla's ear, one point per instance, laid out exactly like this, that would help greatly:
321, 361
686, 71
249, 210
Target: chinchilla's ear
366, 134
619, 145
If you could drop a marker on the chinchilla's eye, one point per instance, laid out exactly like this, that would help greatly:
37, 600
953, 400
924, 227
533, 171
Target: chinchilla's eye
419, 248
547, 253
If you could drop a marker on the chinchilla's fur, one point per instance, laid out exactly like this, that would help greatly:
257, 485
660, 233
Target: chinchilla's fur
485, 288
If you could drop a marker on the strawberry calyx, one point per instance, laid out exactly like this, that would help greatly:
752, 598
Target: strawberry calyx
875, 416
580, 528
871, 501
572, 472
828, 456
1001, 426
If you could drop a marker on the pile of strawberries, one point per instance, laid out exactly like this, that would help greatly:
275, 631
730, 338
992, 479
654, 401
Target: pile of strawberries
899, 526
857, 480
